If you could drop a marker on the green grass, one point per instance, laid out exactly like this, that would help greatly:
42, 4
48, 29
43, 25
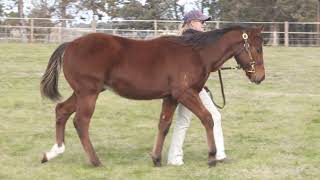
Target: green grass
272, 130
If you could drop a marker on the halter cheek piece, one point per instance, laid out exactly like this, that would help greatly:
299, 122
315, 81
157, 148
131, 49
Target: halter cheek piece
246, 46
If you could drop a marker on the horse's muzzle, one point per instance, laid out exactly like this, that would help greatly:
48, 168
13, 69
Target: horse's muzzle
258, 80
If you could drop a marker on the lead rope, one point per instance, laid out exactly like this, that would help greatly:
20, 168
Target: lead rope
222, 92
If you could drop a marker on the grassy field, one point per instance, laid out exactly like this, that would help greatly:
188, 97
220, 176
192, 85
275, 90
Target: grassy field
272, 130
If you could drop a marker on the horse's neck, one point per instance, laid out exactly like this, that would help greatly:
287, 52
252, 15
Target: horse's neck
216, 54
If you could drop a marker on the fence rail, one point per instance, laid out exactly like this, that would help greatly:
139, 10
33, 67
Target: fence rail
59, 30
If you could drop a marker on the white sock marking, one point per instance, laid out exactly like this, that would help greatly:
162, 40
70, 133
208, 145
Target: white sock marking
55, 151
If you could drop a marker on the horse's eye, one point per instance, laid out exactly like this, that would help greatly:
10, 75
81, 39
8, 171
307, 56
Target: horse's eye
259, 50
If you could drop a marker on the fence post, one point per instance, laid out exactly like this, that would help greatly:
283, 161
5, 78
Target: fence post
31, 30
60, 34
6, 33
275, 39
94, 25
155, 26
218, 25
318, 31
286, 34
318, 24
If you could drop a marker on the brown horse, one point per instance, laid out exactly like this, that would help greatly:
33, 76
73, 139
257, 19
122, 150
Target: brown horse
171, 68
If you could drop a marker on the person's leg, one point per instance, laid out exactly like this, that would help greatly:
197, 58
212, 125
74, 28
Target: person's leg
175, 154
217, 128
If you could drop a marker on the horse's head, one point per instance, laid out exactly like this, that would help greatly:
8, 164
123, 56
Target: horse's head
249, 54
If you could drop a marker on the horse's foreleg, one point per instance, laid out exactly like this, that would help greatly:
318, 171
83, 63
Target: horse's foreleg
63, 112
192, 101
85, 108
168, 107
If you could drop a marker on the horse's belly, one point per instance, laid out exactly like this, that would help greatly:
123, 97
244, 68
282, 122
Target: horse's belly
137, 92
137, 81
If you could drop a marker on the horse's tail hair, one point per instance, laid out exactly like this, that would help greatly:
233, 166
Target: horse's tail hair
49, 80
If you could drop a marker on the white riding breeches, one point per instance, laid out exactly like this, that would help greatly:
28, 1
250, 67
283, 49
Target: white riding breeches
184, 115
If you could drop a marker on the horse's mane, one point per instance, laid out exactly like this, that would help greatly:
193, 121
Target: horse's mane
201, 39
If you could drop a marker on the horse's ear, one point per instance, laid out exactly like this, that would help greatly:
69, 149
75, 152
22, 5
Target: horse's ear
261, 27
258, 29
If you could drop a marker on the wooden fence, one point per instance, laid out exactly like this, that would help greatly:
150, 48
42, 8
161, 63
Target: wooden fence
60, 30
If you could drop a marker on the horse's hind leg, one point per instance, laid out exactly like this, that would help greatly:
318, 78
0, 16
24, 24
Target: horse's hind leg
168, 107
63, 112
85, 108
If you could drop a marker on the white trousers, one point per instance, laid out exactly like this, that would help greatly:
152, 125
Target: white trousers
184, 115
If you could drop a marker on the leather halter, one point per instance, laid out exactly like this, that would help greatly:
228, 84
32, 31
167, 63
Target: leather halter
246, 47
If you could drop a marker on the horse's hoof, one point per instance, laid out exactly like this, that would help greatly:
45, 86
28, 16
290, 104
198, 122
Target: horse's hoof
156, 161
44, 159
97, 164
212, 163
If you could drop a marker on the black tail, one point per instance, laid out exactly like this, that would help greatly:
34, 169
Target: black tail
49, 81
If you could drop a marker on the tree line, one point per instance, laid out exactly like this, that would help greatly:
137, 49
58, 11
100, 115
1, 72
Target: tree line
225, 10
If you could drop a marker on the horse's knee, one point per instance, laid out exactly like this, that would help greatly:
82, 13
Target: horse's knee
61, 117
59, 108
62, 114
166, 129
207, 120
164, 124
65, 108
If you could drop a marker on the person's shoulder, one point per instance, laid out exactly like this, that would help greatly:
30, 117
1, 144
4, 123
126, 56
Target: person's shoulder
190, 32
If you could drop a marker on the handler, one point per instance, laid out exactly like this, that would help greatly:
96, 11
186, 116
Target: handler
194, 22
